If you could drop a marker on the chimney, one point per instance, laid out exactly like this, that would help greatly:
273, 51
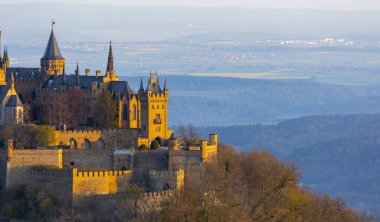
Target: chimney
87, 72
98, 73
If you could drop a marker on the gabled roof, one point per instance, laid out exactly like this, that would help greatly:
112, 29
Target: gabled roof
13, 101
120, 86
52, 50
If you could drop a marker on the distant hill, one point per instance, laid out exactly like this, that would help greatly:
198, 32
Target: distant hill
337, 154
206, 101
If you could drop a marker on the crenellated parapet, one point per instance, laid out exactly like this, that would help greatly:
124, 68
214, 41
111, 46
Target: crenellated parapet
152, 201
88, 174
166, 180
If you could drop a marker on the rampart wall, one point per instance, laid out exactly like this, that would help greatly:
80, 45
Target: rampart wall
145, 161
99, 183
166, 180
97, 139
88, 159
22, 161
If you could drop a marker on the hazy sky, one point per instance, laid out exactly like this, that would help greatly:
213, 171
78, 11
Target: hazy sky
351, 5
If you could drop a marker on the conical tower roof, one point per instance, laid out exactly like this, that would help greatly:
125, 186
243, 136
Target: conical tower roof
52, 51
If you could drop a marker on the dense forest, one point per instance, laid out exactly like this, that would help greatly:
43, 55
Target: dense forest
252, 186
337, 154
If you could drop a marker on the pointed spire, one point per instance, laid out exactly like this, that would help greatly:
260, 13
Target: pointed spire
166, 85
149, 87
64, 75
6, 54
77, 73
110, 59
12, 81
0, 51
141, 85
52, 51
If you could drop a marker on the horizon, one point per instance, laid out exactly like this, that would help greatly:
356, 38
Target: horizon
302, 5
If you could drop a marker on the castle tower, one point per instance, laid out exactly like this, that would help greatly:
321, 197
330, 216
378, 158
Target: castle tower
154, 112
52, 61
110, 73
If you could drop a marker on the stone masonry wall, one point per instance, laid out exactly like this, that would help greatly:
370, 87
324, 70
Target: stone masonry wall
145, 161
88, 159
22, 161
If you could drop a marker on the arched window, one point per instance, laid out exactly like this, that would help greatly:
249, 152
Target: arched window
73, 144
134, 112
100, 144
125, 112
86, 144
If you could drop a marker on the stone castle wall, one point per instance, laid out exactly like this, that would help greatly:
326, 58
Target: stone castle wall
22, 161
74, 185
145, 161
59, 182
98, 139
88, 159
166, 180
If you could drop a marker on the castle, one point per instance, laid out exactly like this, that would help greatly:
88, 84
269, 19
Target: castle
94, 160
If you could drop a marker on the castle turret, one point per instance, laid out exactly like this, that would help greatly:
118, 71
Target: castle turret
52, 60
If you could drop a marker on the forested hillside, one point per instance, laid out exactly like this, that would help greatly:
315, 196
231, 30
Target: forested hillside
336, 154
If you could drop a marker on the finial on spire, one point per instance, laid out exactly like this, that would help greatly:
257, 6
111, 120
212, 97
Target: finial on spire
110, 59
52, 24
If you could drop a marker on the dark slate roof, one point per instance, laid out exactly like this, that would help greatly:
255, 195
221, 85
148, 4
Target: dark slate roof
26, 73
3, 92
85, 81
120, 86
154, 87
13, 101
52, 50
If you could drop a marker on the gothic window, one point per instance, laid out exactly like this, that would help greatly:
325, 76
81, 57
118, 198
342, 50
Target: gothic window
134, 112
163, 106
125, 112
152, 106
158, 106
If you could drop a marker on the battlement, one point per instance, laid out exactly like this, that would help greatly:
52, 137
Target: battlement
163, 193
51, 173
164, 180
169, 173
101, 173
